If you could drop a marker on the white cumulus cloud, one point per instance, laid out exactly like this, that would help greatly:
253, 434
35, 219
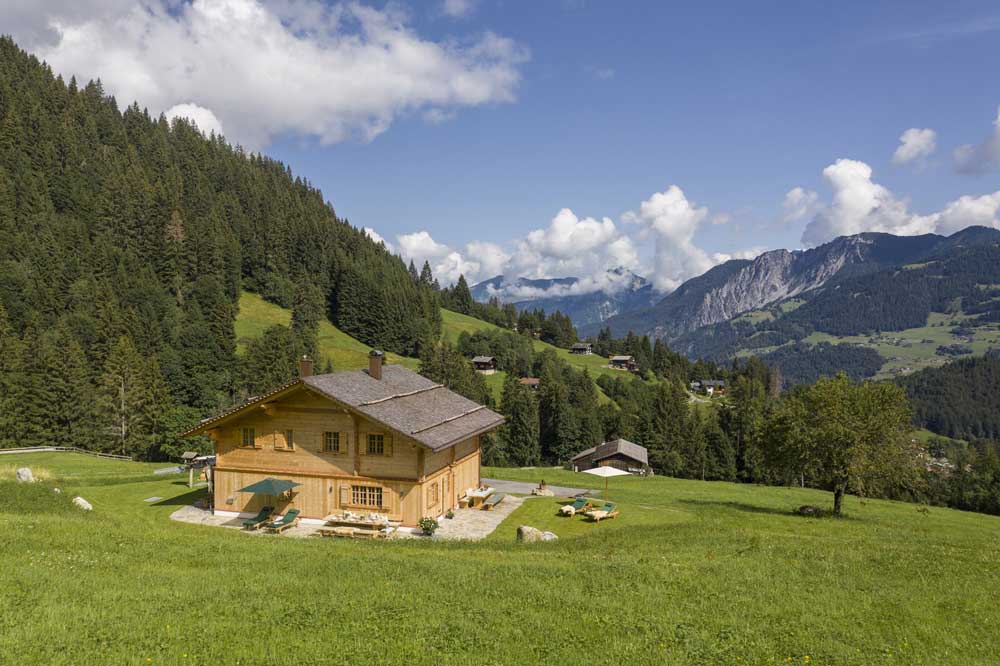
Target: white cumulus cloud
915, 144
982, 157
859, 204
203, 118
672, 220
799, 204
269, 67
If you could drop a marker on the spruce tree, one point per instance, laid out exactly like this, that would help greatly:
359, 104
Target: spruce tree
518, 440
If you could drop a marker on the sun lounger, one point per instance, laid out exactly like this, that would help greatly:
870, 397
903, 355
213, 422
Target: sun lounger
492, 501
606, 511
290, 519
572, 509
258, 521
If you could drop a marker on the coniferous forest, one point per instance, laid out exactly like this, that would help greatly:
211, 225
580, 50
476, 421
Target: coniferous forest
125, 240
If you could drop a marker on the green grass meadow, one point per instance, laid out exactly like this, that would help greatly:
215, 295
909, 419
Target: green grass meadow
690, 573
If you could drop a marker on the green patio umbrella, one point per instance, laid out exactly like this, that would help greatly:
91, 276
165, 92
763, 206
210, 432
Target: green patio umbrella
269, 486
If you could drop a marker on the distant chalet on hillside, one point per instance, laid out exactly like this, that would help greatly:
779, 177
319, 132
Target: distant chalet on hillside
618, 453
484, 365
623, 363
582, 348
709, 386
530, 382
384, 440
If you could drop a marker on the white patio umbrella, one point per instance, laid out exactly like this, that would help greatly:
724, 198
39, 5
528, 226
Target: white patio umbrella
605, 471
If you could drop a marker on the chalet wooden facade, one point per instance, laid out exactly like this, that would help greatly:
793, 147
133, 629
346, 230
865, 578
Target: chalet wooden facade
623, 363
381, 440
485, 365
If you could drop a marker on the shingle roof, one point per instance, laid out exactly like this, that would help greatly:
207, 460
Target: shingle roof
403, 401
607, 449
622, 358
483, 359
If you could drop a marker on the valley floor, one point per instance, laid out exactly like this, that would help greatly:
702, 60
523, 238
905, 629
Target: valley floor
690, 573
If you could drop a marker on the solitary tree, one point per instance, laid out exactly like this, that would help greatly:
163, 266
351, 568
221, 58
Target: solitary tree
844, 437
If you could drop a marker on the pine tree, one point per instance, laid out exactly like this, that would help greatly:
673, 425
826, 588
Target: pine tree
461, 299
307, 311
518, 440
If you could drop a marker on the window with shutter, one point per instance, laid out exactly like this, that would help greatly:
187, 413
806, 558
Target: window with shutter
249, 438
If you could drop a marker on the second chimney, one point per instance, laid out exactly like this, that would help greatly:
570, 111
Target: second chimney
305, 366
375, 364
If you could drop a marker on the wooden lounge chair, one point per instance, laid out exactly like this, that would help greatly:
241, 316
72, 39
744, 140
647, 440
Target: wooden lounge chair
492, 501
606, 511
576, 507
258, 521
290, 519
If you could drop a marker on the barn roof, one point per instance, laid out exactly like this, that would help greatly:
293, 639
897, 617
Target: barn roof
402, 400
615, 446
483, 359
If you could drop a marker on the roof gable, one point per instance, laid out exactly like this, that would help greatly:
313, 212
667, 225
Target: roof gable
402, 400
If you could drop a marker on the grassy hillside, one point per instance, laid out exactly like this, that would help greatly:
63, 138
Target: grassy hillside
454, 324
690, 573
346, 353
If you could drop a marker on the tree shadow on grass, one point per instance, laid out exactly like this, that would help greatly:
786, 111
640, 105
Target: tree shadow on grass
183, 500
753, 508
740, 506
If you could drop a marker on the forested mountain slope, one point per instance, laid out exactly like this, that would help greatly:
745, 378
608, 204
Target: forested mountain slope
960, 399
125, 241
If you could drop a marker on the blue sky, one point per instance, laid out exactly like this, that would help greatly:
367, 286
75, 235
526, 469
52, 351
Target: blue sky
598, 106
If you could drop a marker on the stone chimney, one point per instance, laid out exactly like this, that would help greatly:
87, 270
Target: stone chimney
375, 364
305, 366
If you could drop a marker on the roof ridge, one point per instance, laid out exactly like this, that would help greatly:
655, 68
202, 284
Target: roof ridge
449, 419
400, 395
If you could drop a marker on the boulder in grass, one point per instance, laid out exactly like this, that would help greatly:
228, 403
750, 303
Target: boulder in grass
527, 534
549, 536
83, 504
57, 491
24, 475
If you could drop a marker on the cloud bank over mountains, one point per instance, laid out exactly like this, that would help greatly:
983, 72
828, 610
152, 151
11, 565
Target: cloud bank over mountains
259, 69
860, 204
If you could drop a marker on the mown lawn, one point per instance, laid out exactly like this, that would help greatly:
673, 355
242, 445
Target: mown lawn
690, 573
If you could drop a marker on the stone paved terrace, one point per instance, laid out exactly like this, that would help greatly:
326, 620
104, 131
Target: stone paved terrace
468, 524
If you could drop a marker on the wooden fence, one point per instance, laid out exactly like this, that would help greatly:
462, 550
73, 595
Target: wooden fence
69, 449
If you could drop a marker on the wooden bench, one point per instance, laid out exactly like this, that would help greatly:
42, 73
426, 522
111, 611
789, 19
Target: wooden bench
492, 501
351, 533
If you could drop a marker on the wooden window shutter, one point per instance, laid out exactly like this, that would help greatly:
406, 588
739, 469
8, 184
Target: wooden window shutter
362, 443
345, 494
388, 445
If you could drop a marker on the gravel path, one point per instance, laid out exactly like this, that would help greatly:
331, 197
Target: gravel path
524, 488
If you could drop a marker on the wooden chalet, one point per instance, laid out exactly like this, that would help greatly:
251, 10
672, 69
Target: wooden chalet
582, 348
384, 440
623, 363
618, 453
485, 365
530, 382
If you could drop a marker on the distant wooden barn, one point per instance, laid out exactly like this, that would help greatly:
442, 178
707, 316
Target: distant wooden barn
618, 453
530, 382
582, 348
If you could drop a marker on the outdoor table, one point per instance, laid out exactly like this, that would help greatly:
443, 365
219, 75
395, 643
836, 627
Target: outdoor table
476, 497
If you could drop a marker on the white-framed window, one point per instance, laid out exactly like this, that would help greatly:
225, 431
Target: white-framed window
366, 496
376, 444
249, 438
331, 442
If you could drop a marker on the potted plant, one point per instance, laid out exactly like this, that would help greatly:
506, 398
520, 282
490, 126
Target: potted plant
428, 526
450, 514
